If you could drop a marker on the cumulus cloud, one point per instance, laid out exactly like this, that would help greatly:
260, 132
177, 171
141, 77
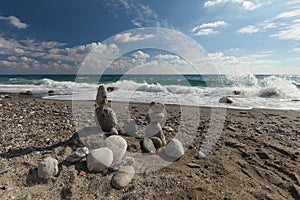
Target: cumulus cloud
246, 4
15, 22
140, 55
207, 28
128, 37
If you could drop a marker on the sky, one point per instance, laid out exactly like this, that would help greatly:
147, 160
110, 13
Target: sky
55, 36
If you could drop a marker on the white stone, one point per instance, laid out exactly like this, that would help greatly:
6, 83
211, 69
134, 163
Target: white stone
122, 177
174, 148
47, 167
100, 159
153, 129
154, 117
201, 155
117, 145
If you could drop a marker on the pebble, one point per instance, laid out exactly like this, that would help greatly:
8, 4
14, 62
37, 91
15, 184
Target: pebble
106, 118
100, 159
231, 128
201, 155
47, 167
148, 145
193, 165
174, 148
123, 177
78, 155
157, 142
168, 129
117, 145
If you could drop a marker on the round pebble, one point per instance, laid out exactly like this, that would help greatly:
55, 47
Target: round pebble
123, 177
201, 155
100, 159
47, 167
174, 148
117, 145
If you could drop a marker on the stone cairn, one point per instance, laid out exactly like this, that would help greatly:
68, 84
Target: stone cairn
111, 154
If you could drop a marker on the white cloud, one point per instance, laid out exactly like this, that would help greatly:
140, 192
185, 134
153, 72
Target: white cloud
288, 14
291, 32
207, 28
128, 37
246, 4
15, 22
249, 29
140, 55
297, 50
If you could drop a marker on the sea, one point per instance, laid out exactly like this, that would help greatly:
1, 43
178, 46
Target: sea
247, 91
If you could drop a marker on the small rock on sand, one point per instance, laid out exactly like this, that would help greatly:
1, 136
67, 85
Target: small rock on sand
47, 167
123, 177
174, 148
225, 100
201, 155
100, 159
157, 142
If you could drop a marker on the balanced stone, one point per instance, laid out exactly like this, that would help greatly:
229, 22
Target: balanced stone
78, 155
117, 145
47, 167
100, 159
154, 117
101, 98
123, 177
174, 148
148, 145
153, 129
106, 118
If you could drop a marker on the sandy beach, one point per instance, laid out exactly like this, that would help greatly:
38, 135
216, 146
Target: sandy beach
256, 157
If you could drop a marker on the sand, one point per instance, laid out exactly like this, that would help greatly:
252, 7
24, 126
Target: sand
255, 157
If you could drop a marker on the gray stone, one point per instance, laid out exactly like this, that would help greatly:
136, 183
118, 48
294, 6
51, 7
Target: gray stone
148, 145
100, 159
113, 131
130, 128
157, 142
154, 117
101, 98
123, 177
78, 155
106, 118
174, 148
201, 155
117, 145
153, 129
225, 100
48, 167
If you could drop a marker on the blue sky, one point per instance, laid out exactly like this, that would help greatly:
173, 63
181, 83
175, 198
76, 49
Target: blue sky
54, 36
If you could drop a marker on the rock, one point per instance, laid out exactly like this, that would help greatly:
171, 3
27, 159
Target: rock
47, 167
231, 128
193, 165
125, 161
130, 128
106, 118
153, 129
154, 117
113, 131
101, 98
51, 92
157, 142
168, 129
148, 145
174, 148
201, 155
157, 107
111, 89
29, 93
117, 145
225, 100
123, 177
78, 155
100, 159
